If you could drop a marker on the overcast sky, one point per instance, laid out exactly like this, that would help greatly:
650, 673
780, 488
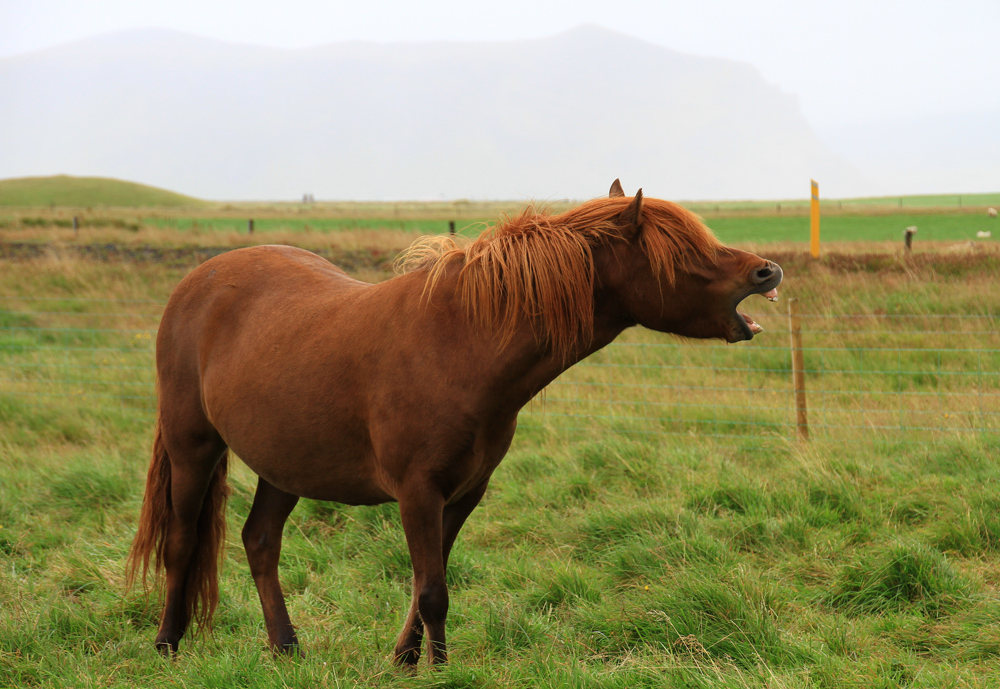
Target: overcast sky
847, 61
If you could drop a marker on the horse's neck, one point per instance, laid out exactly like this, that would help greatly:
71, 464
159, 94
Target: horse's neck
520, 369
529, 365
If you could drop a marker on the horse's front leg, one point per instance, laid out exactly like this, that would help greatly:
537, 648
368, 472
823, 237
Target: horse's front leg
421, 511
454, 515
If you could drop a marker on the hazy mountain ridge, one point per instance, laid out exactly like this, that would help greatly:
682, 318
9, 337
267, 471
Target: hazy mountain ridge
547, 118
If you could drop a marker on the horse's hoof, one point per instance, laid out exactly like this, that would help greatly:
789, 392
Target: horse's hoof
166, 649
438, 653
407, 658
292, 650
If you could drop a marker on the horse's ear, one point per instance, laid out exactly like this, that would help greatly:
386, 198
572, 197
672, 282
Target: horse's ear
631, 217
616, 189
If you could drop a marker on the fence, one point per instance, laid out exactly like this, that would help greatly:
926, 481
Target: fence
894, 374
904, 375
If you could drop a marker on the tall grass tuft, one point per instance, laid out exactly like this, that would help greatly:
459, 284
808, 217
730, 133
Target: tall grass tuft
706, 619
564, 586
900, 576
510, 630
974, 532
736, 499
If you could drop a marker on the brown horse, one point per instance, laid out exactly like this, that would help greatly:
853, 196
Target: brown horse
407, 391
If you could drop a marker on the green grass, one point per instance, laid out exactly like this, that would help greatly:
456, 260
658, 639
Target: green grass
82, 192
657, 587
868, 204
927, 201
315, 229
931, 227
112, 210
602, 556
63, 190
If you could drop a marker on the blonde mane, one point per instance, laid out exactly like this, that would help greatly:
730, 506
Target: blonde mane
539, 268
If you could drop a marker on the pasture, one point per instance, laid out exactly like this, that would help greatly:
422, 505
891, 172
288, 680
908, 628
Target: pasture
129, 214
227, 229
603, 555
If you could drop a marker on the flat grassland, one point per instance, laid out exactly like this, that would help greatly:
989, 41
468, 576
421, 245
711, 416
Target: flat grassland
599, 558
34, 209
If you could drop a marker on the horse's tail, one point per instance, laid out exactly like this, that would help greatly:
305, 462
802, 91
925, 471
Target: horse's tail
202, 581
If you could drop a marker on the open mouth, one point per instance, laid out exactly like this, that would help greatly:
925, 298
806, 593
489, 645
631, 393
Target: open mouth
747, 327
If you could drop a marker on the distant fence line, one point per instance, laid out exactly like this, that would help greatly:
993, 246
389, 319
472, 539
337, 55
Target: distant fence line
918, 376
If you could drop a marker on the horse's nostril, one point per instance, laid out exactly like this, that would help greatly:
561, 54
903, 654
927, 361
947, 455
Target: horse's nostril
764, 274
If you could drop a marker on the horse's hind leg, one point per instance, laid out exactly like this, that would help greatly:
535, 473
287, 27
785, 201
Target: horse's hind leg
262, 540
193, 467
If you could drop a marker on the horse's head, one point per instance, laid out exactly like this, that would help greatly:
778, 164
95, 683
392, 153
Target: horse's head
670, 274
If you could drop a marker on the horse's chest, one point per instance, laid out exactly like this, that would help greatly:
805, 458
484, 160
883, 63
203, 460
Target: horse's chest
473, 468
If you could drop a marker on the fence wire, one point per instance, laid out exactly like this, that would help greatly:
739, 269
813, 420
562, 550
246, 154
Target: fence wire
907, 375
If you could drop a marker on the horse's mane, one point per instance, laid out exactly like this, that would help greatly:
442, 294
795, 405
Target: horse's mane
539, 268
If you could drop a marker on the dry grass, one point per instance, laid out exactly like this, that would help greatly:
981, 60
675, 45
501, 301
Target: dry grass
392, 241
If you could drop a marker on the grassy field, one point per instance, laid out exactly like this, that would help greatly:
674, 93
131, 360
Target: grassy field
88, 192
866, 205
110, 211
931, 227
604, 555
937, 229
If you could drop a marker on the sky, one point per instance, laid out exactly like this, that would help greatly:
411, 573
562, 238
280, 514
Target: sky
847, 61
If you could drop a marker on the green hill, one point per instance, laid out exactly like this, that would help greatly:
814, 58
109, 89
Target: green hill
63, 190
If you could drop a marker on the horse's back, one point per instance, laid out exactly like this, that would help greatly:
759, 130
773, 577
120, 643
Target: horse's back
260, 269
243, 294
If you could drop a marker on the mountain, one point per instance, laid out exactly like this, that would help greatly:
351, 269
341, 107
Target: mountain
558, 117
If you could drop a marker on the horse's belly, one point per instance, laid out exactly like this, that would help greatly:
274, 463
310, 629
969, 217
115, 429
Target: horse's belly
338, 477
309, 454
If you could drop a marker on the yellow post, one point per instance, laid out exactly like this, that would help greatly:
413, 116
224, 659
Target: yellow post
814, 220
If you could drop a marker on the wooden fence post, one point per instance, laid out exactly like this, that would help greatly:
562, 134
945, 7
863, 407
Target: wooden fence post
250, 226
798, 369
451, 226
